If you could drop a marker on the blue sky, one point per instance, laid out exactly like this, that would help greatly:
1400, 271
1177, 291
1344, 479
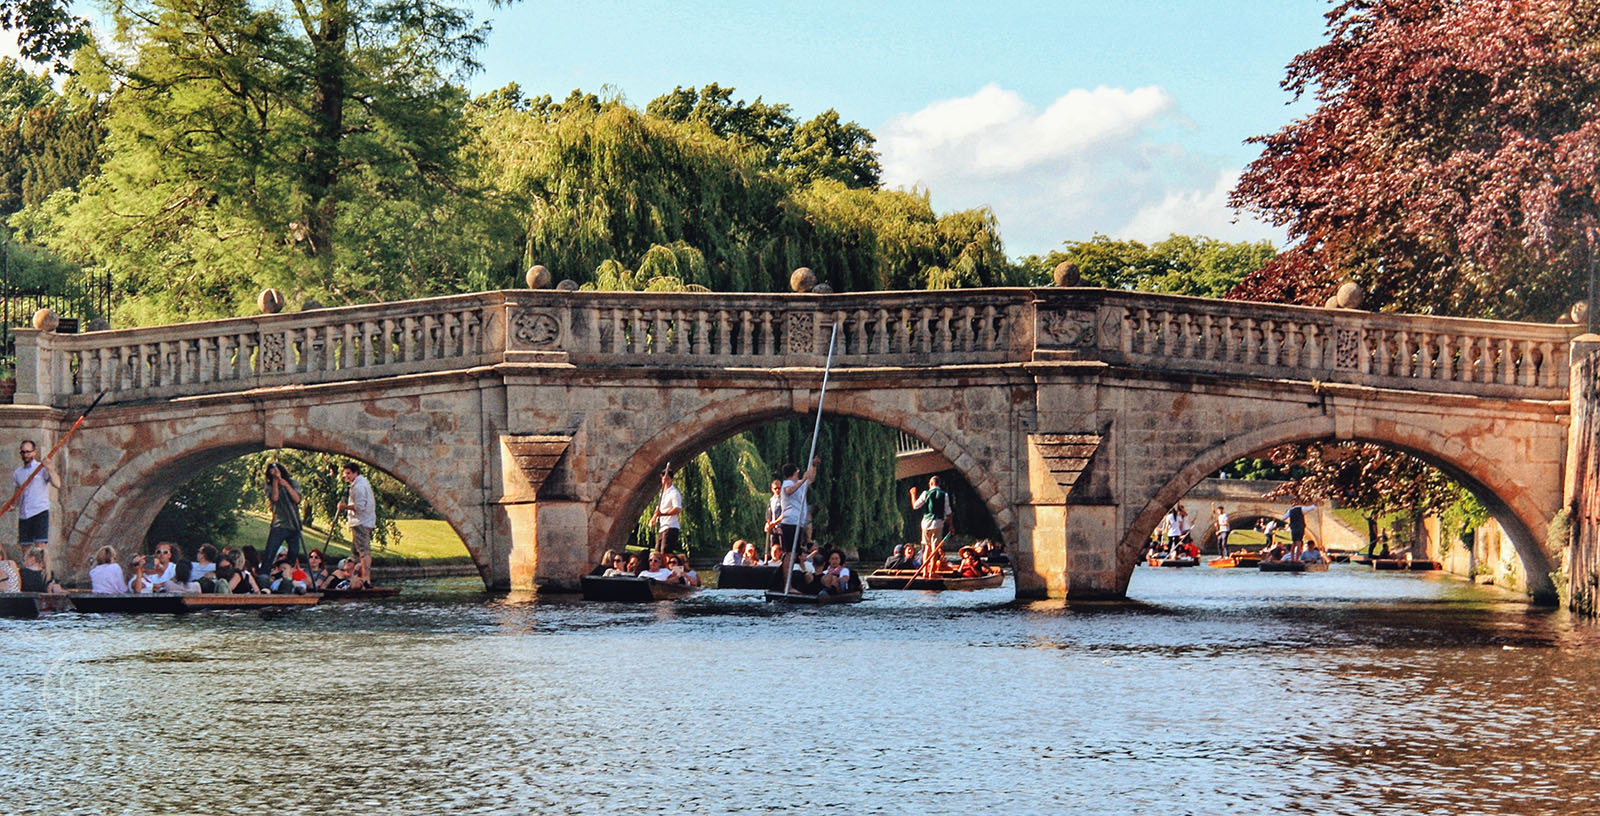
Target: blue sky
1069, 118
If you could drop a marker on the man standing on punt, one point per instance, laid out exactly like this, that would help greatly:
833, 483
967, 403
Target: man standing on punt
361, 513
33, 511
669, 513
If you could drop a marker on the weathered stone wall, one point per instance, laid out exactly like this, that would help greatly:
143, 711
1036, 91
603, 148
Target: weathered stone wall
1583, 479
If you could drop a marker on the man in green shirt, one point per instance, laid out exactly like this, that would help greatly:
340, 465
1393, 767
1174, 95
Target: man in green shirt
937, 515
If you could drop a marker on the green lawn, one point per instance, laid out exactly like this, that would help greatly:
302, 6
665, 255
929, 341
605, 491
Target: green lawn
420, 540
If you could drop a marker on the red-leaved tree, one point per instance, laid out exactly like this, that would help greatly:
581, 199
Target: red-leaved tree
1452, 165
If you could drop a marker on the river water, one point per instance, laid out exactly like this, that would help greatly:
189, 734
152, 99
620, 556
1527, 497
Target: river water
1211, 692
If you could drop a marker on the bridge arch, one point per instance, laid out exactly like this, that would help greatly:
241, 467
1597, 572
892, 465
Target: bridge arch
1518, 511
134, 493
635, 482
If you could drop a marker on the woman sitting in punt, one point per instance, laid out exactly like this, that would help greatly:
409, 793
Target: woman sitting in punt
970, 566
835, 577
36, 576
618, 567
606, 564
105, 577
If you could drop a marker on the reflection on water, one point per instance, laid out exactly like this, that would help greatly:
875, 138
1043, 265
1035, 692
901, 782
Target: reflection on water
1212, 692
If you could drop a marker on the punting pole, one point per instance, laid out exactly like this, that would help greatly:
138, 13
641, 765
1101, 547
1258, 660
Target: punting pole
794, 545
68, 435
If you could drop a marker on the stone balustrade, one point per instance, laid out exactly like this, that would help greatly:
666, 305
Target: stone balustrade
762, 331
1240, 338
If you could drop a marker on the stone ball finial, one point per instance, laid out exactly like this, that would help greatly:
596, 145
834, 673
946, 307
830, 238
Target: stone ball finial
802, 280
567, 285
1579, 313
270, 301
538, 277
312, 305
1350, 295
45, 320
822, 289
1066, 274
98, 324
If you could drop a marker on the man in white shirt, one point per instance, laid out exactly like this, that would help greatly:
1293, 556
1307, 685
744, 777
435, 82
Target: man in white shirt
735, 556
33, 507
668, 514
658, 568
361, 513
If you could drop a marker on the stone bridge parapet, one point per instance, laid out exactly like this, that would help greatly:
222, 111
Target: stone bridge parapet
697, 331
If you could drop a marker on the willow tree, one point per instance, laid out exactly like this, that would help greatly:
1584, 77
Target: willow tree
314, 147
616, 198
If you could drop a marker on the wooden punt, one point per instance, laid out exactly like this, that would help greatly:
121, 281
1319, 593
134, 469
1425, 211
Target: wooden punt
1247, 560
906, 579
1422, 565
632, 589
1174, 562
774, 596
747, 577
32, 604
1293, 566
173, 602
359, 594
1223, 563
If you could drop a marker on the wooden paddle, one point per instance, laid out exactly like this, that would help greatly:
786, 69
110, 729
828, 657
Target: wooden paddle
68, 435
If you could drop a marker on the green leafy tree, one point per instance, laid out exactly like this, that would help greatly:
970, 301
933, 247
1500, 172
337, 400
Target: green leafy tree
206, 509
47, 30
315, 148
821, 148
1180, 265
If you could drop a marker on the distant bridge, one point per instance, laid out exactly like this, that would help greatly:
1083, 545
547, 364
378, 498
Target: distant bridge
535, 421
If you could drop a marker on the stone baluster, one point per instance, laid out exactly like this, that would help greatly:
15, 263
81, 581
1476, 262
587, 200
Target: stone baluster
1528, 371
747, 345
657, 336
724, 341
1445, 370
700, 343
1508, 368
769, 339
634, 331
1205, 344
1186, 339
964, 333
1269, 343
1385, 356
1364, 349
1550, 372
941, 333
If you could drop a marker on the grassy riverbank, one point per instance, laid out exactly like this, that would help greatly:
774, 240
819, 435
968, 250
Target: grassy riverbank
422, 541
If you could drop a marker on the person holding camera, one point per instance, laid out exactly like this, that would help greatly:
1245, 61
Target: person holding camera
283, 494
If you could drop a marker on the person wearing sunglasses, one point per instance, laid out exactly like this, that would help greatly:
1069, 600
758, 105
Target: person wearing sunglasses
33, 507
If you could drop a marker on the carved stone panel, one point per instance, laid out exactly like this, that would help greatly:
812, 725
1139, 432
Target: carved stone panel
536, 330
1347, 349
1068, 328
800, 332
272, 346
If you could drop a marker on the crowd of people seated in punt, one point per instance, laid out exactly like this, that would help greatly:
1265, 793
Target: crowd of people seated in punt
222, 572
670, 568
979, 558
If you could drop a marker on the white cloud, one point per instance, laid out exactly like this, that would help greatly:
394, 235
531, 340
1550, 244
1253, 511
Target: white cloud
1198, 212
8, 44
1093, 161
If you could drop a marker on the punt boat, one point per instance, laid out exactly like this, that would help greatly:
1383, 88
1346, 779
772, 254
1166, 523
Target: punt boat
632, 589
907, 579
747, 576
32, 604
359, 594
1293, 566
780, 597
174, 602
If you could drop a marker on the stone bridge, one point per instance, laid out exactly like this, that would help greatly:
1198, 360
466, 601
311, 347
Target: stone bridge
535, 421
